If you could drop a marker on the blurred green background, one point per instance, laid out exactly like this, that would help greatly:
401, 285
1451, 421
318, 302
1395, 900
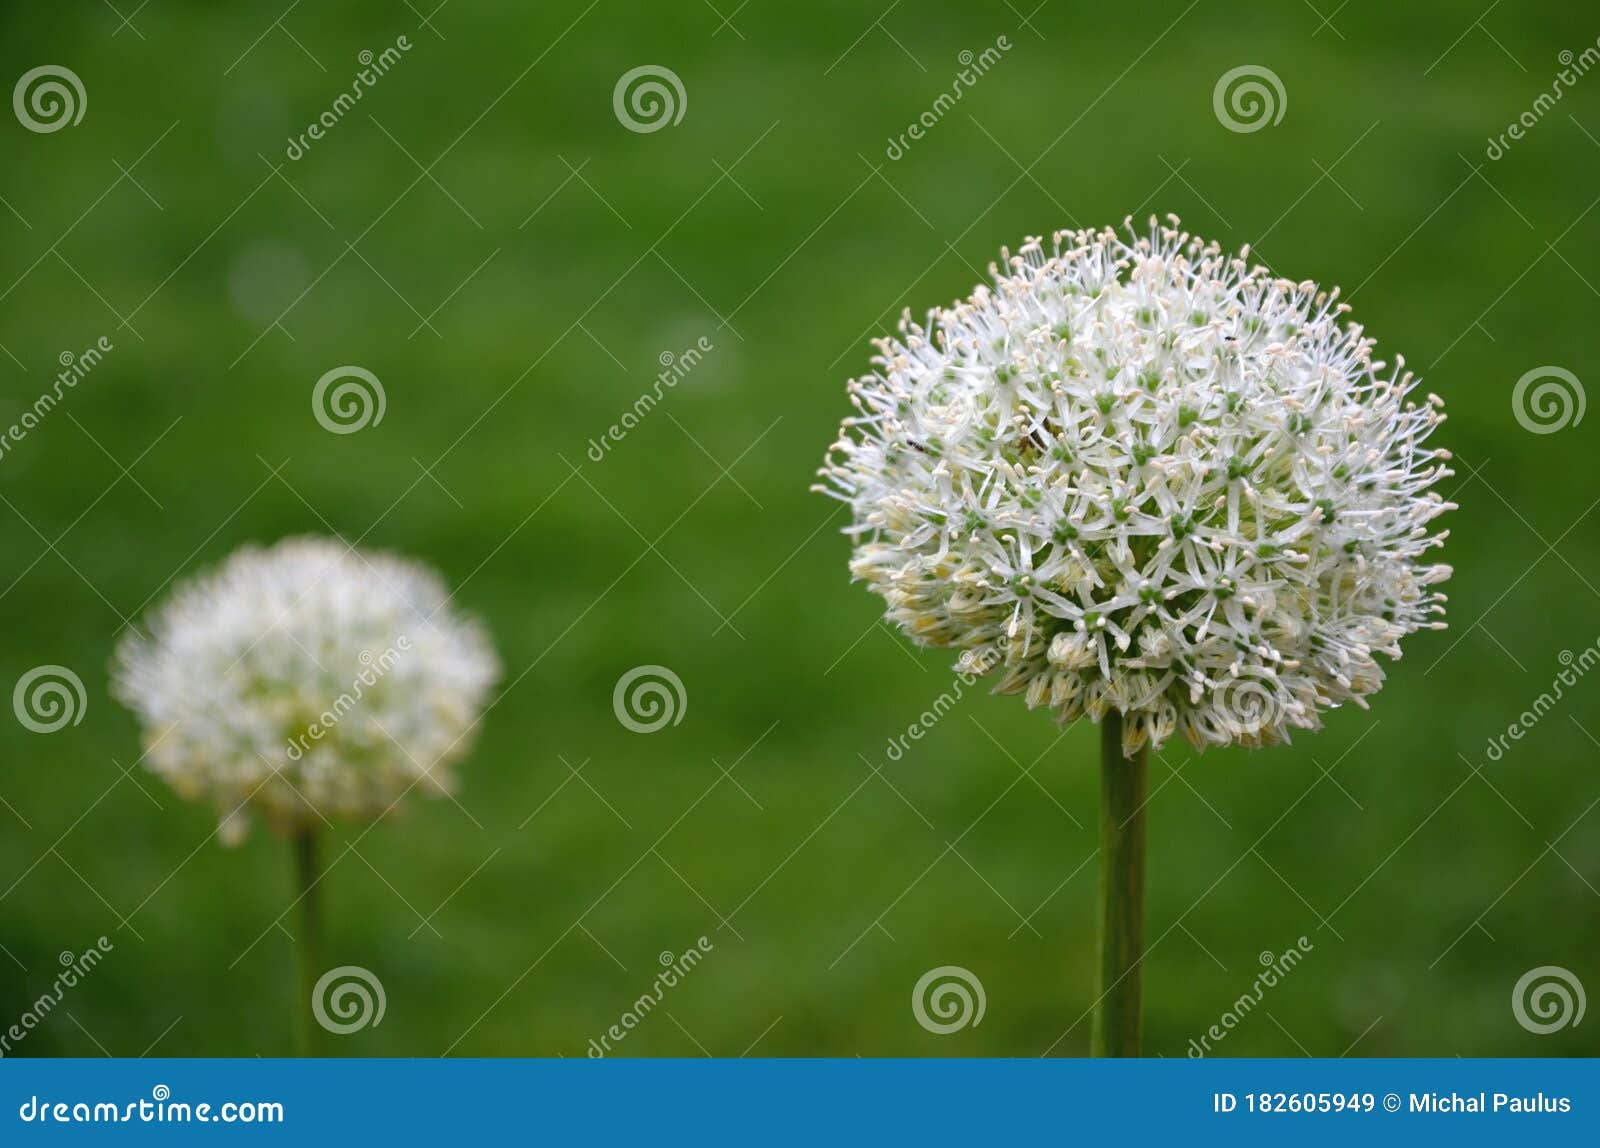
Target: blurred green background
483, 234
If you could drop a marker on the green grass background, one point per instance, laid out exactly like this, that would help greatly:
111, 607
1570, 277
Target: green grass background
1427, 878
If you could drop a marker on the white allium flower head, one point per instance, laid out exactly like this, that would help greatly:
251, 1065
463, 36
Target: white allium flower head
1138, 474
306, 681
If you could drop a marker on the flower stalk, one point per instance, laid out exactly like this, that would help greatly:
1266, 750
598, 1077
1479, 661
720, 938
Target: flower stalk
308, 939
1117, 1011
1141, 479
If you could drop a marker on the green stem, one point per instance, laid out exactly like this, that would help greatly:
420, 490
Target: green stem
308, 942
1122, 850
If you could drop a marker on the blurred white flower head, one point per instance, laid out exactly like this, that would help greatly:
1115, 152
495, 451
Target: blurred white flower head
1139, 474
306, 681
